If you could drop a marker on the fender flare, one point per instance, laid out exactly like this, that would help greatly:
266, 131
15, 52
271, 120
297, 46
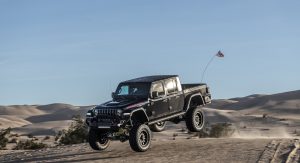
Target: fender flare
192, 96
138, 110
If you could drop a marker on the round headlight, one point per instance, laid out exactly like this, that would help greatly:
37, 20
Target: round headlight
95, 112
119, 112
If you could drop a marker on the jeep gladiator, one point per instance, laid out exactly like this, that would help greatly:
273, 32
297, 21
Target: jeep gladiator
145, 104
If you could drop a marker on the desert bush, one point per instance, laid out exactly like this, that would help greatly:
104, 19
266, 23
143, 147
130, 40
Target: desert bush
75, 134
47, 137
3, 137
13, 140
14, 135
29, 144
265, 115
59, 134
30, 136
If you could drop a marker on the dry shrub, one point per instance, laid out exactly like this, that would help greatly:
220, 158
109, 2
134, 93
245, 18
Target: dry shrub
30, 136
76, 133
14, 135
3, 137
13, 140
29, 144
265, 115
47, 137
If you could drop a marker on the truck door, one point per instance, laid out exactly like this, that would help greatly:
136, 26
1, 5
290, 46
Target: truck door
174, 94
159, 102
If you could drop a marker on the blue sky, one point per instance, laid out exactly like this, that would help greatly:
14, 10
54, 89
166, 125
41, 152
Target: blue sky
77, 51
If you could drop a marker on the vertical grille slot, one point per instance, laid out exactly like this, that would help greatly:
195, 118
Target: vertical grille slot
107, 112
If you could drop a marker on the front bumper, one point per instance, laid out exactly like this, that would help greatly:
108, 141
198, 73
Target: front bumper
105, 123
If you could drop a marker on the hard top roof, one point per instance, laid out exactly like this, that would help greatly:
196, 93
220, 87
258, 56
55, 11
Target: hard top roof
149, 79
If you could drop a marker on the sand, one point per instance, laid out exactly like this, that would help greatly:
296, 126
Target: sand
182, 150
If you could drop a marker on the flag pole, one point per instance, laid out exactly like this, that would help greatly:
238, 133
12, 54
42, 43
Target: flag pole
203, 73
219, 54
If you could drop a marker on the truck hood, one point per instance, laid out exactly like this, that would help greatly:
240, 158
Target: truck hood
120, 103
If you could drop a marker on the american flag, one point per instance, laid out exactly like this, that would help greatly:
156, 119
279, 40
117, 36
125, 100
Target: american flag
220, 54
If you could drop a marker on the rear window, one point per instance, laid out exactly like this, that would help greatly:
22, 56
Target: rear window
171, 86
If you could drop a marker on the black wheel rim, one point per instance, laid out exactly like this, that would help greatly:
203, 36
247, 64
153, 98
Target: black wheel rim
144, 138
198, 119
160, 124
103, 142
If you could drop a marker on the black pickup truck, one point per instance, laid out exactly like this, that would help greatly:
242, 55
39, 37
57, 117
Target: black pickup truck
144, 104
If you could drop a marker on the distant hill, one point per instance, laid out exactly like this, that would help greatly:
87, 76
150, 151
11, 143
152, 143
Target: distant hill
277, 104
47, 119
28, 116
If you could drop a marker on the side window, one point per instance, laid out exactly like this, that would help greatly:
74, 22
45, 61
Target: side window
158, 87
171, 86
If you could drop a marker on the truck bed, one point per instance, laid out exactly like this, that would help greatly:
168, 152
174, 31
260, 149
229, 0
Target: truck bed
188, 88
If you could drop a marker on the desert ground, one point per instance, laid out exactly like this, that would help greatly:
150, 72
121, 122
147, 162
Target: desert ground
181, 150
266, 129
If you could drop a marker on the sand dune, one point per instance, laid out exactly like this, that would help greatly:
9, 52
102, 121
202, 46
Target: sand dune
284, 105
12, 121
43, 128
21, 110
39, 119
58, 112
57, 107
239, 99
242, 112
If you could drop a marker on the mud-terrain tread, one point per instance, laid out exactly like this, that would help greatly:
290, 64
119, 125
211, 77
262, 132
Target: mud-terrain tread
189, 119
133, 137
93, 138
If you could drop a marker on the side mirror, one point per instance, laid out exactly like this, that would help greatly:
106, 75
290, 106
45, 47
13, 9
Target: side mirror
113, 94
155, 94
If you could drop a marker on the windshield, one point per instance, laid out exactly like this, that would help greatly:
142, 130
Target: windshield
135, 89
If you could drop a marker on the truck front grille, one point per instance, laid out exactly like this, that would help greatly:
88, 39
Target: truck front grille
107, 112
107, 116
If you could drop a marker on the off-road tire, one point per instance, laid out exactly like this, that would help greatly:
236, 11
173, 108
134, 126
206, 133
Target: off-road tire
140, 138
195, 119
158, 127
97, 140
